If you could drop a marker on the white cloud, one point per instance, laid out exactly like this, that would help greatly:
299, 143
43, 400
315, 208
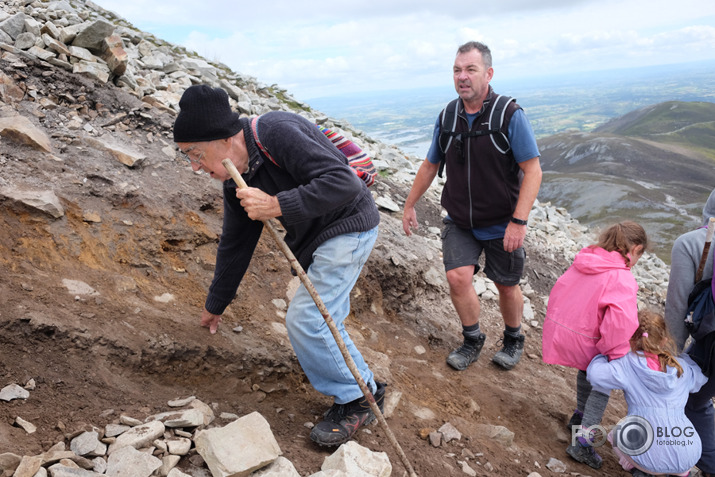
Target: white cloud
313, 48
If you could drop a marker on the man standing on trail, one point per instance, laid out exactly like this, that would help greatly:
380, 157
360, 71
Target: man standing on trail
488, 196
330, 220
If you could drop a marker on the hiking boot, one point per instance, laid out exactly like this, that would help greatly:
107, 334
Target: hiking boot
584, 453
466, 354
343, 420
575, 420
511, 353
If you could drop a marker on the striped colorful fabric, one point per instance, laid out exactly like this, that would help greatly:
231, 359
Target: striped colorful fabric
357, 158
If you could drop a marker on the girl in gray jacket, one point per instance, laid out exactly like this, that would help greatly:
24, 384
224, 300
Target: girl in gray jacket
655, 438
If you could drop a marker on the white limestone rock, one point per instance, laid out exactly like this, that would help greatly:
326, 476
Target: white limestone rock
129, 462
78, 287
88, 444
13, 391
176, 473
42, 200
387, 203
358, 461
496, 433
29, 427
181, 418
281, 467
60, 470
181, 402
139, 436
239, 448
113, 430
179, 446
168, 462
449, 432
121, 152
556, 466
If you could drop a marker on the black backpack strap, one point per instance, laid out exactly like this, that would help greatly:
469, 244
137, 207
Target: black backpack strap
440, 171
496, 121
448, 125
254, 130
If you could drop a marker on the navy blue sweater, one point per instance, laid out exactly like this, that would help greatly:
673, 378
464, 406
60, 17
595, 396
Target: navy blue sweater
320, 197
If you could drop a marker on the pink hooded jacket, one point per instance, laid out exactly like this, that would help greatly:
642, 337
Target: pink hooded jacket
593, 309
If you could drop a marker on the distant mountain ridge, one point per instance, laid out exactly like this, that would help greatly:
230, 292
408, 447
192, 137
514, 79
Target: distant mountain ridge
553, 104
688, 124
655, 165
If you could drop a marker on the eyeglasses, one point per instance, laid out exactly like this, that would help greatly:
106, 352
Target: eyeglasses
186, 155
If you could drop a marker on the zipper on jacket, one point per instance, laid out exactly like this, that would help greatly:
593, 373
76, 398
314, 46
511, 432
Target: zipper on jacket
469, 182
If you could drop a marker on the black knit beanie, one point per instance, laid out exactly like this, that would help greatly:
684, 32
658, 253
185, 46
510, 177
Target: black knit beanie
205, 115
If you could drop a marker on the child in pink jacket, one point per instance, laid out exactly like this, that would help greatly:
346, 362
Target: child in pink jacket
593, 309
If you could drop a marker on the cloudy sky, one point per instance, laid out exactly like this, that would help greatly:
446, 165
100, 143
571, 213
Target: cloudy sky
316, 49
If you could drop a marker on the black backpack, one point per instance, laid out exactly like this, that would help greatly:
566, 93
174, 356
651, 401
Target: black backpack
700, 317
700, 322
497, 114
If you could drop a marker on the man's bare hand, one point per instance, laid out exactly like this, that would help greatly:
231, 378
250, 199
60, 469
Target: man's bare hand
258, 204
409, 220
514, 236
210, 321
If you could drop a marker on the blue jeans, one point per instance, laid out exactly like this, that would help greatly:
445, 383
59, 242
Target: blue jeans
335, 269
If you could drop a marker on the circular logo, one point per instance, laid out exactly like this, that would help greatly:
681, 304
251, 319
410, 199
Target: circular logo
633, 435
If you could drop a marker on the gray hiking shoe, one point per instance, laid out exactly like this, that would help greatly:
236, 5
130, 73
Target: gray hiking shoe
342, 421
511, 353
466, 354
584, 453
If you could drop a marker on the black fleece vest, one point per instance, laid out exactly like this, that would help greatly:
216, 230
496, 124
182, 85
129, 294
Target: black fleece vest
483, 184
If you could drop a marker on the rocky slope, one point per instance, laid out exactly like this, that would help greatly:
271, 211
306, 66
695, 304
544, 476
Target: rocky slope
108, 247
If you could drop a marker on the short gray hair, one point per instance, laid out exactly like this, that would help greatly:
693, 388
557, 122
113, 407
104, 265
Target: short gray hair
481, 48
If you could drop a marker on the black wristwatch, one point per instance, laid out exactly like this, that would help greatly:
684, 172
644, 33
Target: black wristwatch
518, 221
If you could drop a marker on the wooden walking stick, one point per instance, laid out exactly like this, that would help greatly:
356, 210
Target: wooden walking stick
706, 249
328, 320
